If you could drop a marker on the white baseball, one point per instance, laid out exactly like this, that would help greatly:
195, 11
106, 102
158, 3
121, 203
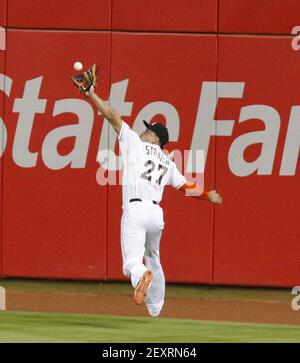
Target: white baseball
78, 66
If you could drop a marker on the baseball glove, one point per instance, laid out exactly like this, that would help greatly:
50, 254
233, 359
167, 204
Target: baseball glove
87, 79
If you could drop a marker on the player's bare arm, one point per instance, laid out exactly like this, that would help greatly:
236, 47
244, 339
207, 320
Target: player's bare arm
196, 191
106, 110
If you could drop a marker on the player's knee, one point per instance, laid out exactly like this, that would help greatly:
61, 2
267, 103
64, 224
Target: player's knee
128, 265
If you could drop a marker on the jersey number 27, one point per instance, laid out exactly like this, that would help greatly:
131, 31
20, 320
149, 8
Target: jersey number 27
151, 167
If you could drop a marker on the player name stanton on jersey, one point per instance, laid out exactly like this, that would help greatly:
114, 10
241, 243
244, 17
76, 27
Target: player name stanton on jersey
152, 150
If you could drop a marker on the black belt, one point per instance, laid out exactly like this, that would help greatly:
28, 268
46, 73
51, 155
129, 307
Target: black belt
140, 200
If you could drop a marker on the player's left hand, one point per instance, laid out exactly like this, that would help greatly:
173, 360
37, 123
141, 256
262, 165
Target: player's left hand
215, 197
86, 80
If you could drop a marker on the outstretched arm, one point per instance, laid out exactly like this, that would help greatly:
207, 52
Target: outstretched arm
196, 191
106, 110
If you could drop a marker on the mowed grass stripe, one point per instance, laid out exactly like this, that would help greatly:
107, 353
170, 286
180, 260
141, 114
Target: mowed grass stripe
41, 327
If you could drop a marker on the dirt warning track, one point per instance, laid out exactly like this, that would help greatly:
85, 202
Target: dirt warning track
235, 310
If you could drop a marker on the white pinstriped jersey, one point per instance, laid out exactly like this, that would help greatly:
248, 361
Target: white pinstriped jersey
146, 169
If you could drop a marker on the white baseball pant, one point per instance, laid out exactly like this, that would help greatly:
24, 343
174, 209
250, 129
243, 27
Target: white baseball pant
141, 229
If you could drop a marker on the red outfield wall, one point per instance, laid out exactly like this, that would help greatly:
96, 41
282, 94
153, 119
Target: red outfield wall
188, 63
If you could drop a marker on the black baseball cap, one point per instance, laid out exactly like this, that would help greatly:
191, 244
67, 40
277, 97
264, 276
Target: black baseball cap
160, 130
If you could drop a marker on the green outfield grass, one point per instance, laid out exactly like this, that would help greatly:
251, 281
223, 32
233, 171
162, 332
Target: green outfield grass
38, 327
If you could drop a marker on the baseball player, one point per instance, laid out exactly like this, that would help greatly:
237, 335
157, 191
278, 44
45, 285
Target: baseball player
146, 171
